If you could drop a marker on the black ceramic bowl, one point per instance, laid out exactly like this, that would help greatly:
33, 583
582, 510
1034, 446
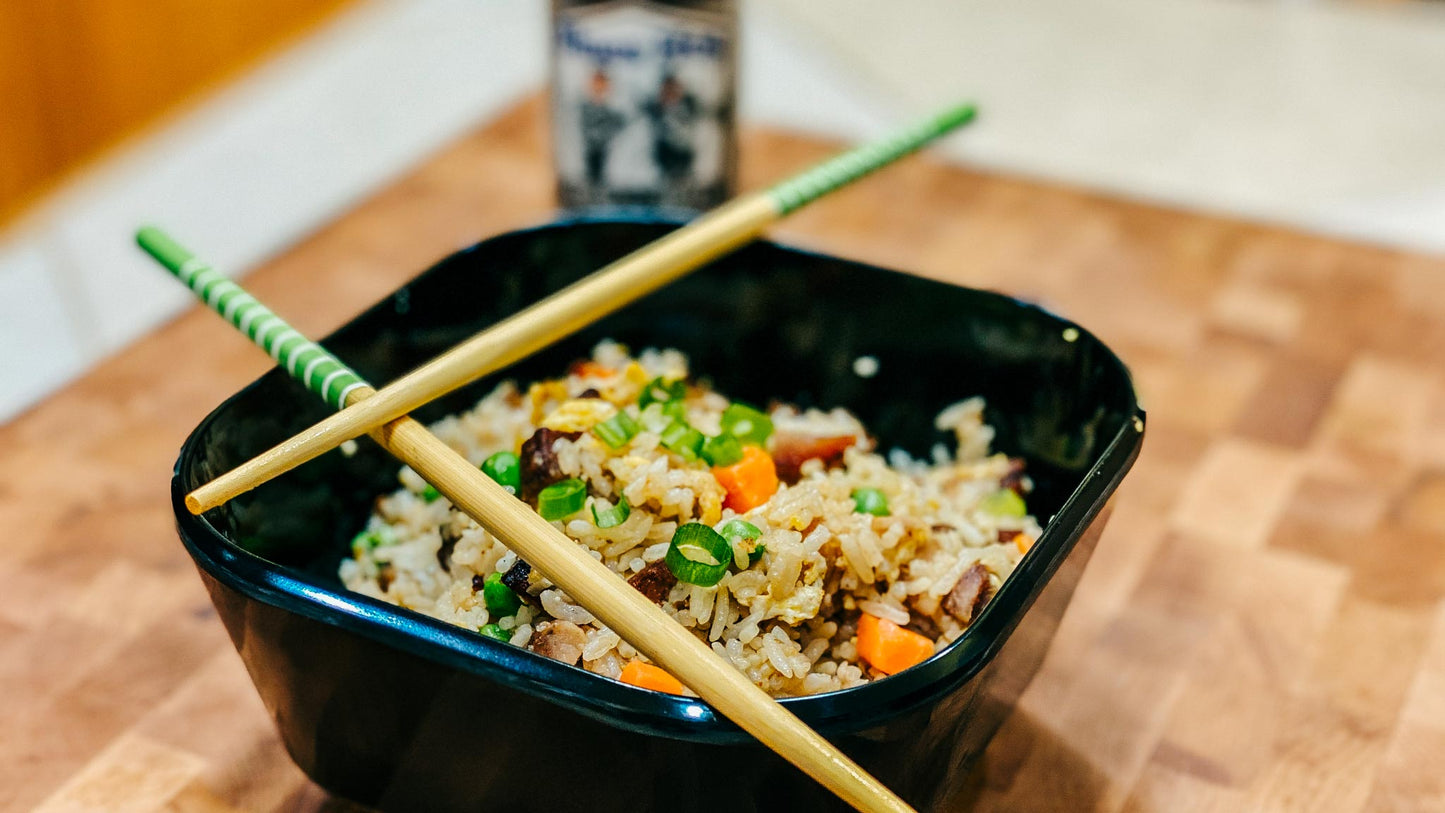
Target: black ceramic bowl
394, 709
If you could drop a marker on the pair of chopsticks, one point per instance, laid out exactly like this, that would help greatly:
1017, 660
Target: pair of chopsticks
382, 414
714, 234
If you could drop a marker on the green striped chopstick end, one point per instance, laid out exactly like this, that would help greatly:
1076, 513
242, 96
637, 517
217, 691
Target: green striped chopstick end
848, 167
306, 361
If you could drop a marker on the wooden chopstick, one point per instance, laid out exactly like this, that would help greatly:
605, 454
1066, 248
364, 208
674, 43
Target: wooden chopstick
720, 231
567, 564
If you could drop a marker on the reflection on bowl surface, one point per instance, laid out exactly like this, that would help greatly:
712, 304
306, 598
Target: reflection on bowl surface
398, 710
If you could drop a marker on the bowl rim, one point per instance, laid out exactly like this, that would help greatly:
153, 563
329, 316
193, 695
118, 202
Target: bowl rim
611, 701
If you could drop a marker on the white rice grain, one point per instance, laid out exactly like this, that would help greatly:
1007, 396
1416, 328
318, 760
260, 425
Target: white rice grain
559, 605
879, 609
522, 635
777, 655
599, 643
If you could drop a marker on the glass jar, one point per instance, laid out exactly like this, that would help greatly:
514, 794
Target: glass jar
643, 98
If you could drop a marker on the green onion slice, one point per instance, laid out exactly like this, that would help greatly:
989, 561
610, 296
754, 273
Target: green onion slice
748, 425
561, 500
495, 632
498, 597
682, 439
870, 501
506, 469
742, 530
659, 390
613, 516
723, 450
675, 410
371, 539
698, 555
430, 493
616, 430
1004, 503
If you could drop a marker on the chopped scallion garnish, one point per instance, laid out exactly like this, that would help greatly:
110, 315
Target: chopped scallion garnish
698, 555
870, 501
1004, 503
746, 531
748, 425
659, 390
723, 450
682, 439
675, 410
506, 469
371, 539
561, 500
614, 515
616, 430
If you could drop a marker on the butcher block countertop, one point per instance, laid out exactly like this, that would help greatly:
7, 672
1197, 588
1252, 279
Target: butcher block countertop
1262, 626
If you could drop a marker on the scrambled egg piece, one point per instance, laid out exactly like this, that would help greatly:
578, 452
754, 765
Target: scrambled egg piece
579, 415
543, 394
802, 605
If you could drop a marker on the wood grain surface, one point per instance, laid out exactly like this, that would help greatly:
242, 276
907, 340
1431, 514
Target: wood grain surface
1262, 627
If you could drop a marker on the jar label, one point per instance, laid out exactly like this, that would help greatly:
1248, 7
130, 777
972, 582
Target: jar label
642, 105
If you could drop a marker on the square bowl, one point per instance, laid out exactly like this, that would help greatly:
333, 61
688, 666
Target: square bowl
398, 710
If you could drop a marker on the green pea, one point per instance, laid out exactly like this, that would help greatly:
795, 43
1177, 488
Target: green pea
506, 469
498, 597
870, 501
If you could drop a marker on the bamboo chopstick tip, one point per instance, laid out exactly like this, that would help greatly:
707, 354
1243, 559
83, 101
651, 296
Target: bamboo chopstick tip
162, 248
207, 496
148, 236
957, 116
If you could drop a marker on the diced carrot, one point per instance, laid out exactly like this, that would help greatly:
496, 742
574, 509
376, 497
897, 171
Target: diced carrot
647, 676
591, 369
748, 482
890, 648
1024, 542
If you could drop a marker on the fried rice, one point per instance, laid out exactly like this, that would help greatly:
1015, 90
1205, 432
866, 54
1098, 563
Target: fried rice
846, 536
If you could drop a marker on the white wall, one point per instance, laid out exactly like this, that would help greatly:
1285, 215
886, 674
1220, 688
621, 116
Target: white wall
1323, 116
